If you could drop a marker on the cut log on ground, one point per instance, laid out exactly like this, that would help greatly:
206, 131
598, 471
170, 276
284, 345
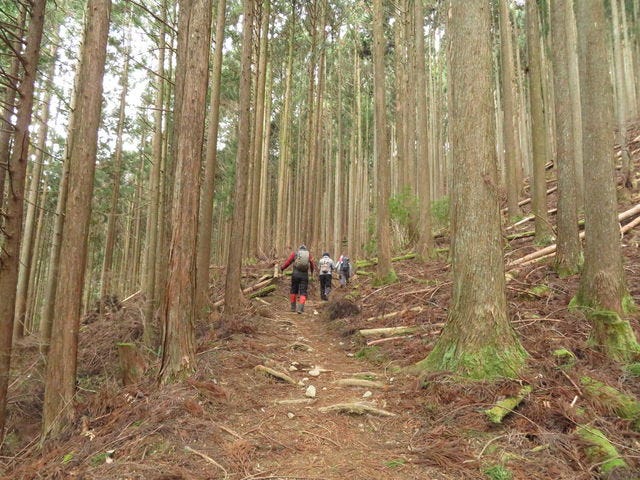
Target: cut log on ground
250, 289
388, 332
263, 291
395, 314
528, 200
601, 451
551, 249
529, 218
506, 406
359, 382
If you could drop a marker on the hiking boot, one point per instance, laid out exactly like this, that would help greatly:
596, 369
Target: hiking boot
293, 307
323, 297
300, 308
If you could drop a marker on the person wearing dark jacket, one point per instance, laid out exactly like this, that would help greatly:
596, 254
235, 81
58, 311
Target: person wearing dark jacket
302, 262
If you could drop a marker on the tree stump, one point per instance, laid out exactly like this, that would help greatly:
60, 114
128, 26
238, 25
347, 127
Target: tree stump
132, 363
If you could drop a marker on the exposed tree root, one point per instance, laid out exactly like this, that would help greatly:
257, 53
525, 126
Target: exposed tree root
274, 373
358, 408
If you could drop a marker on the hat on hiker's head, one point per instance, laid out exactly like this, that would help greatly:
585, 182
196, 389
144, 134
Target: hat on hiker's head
325, 254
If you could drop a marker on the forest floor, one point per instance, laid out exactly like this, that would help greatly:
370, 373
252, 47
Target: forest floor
232, 421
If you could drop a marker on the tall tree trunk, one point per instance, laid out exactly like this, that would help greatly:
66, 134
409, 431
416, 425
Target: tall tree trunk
150, 287
574, 91
205, 225
259, 127
508, 123
568, 253
33, 289
265, 233
283, 221
60, 380
477, 341
543, 230
51, 283
7, 108
385, 273
621, 99
106, 286
425, 240
10, 251
178, 311
28, 237
603, 290
233, 289
317, 137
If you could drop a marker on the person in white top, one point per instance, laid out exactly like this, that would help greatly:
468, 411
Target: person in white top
325, 269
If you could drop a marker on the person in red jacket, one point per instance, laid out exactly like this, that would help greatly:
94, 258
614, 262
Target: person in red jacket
302, 264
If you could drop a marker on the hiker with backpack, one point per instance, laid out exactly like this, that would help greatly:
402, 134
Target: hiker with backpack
344, 270
325, 266
302, 264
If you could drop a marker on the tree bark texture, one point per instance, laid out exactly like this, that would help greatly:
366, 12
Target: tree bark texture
149, 284
178, 311
205, 226
477, 341
568, 255
508, 110
425, 239
233, 287
17, 168
60, 379
8, 109
602, 285
385, 271
543, 230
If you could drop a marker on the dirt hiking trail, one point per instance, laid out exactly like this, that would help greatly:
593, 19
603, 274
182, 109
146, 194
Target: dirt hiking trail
234, 420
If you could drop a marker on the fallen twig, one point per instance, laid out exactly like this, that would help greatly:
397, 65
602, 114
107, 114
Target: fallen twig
208, 459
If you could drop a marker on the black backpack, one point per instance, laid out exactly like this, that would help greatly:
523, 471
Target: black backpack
345, 267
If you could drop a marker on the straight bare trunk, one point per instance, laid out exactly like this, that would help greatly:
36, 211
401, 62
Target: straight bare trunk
477, 341
603, 289
178, 312
385, 273
10, 251
233, 297
60, 382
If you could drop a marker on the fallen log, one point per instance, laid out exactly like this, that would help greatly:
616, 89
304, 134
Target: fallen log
359, 382
248, 290
263, 291
551, 249
358, 408
395, 314
623, 405
389, 331
528, 200
504, 407
600, 450
528, 219
374, 261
